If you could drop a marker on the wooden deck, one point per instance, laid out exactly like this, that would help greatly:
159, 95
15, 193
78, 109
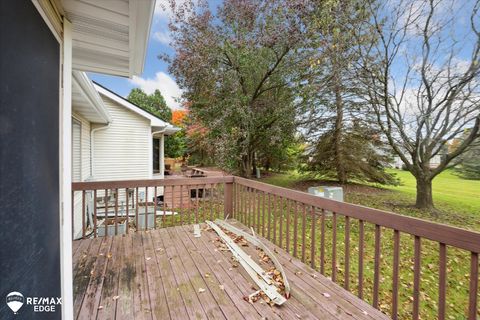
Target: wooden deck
169, 274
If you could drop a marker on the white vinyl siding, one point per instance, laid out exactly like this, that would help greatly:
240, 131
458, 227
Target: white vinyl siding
83, 145
76, 150
123, 150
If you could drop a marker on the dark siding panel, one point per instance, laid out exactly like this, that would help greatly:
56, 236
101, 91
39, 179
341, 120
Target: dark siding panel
29, 157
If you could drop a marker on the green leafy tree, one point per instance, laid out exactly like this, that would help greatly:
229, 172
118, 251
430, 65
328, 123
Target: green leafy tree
239, 67
344, 140
153, 103
175, 145
469, 167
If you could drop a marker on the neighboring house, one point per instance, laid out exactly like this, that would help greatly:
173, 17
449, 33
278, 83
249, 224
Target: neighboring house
112, 139
43, 42
434, 162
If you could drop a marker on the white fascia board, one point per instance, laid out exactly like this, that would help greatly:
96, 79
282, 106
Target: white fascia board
91, 94
141, 16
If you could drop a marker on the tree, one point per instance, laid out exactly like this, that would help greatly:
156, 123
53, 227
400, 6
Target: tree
344, 141
153, 103
422, 81
239, 69
175, 145
469, 166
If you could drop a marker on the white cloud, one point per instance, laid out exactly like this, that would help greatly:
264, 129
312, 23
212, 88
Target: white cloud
162, 37
163, 82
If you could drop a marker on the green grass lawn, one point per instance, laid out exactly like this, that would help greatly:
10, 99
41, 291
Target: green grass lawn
449, 191
457, 203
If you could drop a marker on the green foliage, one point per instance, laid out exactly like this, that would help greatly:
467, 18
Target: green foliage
469, 167
175, 145
153, 103
239, 69
344, 142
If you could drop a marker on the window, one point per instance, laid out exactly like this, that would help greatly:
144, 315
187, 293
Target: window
76, 150
156, 155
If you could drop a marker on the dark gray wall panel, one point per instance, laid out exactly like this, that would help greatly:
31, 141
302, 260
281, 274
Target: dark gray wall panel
29, 158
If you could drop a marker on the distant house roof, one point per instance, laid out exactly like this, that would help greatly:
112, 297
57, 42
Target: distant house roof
158, 125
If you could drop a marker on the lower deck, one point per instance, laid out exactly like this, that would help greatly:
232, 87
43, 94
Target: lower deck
169, 274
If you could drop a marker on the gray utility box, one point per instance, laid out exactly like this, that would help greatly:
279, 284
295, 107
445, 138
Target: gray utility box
334, 193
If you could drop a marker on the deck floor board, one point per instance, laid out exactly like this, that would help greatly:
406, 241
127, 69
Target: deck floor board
170, 274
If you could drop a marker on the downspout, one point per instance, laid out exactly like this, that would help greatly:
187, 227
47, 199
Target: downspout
92, 146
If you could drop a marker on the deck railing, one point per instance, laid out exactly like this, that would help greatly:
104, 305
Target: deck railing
394, 262
116, 207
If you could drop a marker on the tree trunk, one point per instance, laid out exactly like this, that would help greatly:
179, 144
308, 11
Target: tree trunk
337, 138
424, 193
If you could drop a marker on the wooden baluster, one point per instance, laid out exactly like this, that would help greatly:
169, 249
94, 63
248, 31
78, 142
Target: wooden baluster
172, 209
220, 211
287, 233
416, 277
334, 247
263, 214
312, 238
322, 244
155, 195
473, 290
234, 201
212, 214
280, 215
95, 213
346, 285
274, 219
258, 212
196, 204
136, 209
181, 208
126, 210
396, 263
248, 204
442, 281
304, 232
295, 229
106, 212
254, 196
116, 211
146, 208
376, 268
204, 206
361, 238
83, 214
269, 218
164, 217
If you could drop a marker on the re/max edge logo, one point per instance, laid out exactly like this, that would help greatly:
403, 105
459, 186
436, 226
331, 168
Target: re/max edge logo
15, 300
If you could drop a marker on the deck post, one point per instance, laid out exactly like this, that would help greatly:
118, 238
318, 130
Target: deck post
228, 199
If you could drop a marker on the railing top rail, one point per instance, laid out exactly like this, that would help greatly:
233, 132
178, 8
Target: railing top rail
457, 237
99, 185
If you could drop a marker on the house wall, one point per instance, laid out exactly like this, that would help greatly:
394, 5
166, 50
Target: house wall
85, 172
123, 150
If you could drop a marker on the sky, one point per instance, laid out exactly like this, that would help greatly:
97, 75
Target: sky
155, 74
